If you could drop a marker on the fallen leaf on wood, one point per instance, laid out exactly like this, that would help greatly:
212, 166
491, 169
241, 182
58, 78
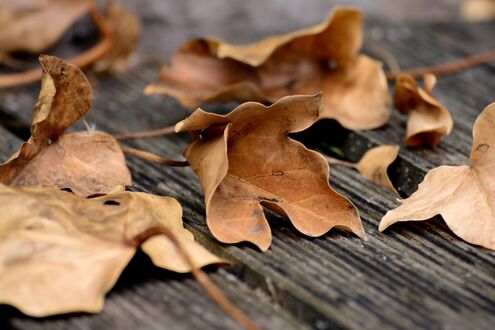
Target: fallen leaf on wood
463, 195
125, 27
320, 58
375, 162
245, 161
35, 25
428, 119
61, 253
373, 165
86, 162
477, 10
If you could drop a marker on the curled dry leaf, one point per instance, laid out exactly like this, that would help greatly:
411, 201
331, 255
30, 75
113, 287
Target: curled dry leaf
463, 195
61, 253
87, 162
125, 27
428, 119
35, 25
320, 58
245, 160
375, 162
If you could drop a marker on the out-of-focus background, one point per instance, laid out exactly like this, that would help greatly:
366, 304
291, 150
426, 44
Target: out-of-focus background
168, 23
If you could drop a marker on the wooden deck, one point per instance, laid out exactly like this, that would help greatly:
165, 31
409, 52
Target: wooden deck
415, 275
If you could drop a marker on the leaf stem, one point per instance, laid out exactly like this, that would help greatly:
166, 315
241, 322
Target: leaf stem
82, 60
213, 291
146, 134
153, 157
449, 67
335, 161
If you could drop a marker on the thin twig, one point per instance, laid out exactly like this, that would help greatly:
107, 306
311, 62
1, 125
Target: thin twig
448, 68
153, 157
82, 60
387, 57
335, 161
146, 134
213, 291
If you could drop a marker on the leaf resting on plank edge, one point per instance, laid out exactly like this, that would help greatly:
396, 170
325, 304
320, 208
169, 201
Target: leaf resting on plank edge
375, 162
428, 119
35, 25
126, 29
463, 195
320, 58
61, 253
245, 160
88, 163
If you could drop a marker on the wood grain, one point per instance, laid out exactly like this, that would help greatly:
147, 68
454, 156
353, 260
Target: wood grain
415, 275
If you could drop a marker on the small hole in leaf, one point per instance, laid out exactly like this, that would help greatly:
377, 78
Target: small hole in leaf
333, 65
111, 202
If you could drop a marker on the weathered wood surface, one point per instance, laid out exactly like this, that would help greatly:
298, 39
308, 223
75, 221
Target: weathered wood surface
415, 275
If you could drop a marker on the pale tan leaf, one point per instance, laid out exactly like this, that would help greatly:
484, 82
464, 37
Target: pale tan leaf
477, 10
463, 195
61, 253
35, 25
375, 162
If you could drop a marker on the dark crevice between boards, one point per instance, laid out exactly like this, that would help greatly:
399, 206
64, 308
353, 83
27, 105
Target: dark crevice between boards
330, 138
280, 293
15, 126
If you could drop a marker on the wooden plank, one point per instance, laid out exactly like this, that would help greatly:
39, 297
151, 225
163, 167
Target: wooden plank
416, 275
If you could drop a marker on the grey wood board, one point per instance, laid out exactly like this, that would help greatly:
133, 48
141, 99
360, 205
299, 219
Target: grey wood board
414, 275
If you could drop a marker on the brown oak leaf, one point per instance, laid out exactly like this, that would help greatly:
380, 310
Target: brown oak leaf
320, 58
35, 25
61, 253
126, 29
463, 195
428, 119
88, 163
245, 160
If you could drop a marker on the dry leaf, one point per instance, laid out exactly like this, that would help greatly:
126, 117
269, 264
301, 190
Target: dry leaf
320, 58
61, 253
375, 162
87, 162
478, 10
126, 29
35, 25
428, 119
463, 195
245, 160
